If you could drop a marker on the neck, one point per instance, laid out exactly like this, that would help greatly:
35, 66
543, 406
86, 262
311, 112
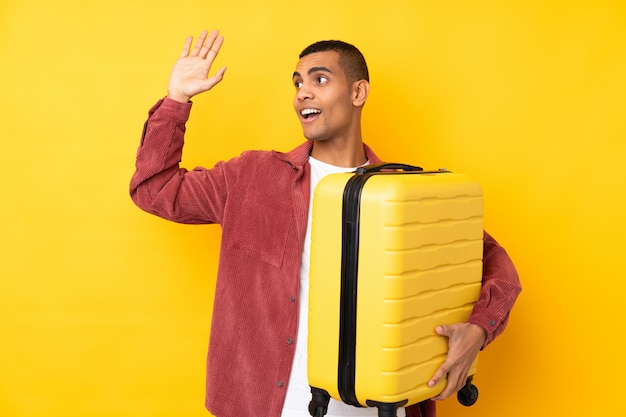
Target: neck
342, 154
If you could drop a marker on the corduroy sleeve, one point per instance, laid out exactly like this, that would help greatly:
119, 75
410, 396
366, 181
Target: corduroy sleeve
501, 286
161, 187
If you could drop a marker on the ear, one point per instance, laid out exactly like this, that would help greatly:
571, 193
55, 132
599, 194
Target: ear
360, 91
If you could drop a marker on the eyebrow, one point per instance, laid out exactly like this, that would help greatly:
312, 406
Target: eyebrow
312, 70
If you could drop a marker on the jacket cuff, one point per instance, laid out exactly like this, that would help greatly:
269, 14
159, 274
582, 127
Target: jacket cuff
488, 324
172, 109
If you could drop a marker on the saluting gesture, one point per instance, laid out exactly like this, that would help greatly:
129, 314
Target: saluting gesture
190, 75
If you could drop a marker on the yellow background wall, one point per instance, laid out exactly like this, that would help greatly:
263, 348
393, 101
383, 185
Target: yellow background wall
105, 310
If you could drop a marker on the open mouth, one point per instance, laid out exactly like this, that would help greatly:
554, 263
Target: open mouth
309, 113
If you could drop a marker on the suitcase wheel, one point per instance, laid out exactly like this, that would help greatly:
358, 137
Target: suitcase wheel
318, 407
468, 395
320, 412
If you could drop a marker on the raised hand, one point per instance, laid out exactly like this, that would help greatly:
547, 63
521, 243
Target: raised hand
190, 75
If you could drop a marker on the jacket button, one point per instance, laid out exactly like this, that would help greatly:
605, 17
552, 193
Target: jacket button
280, 384
492, 322
290, 341
293, 299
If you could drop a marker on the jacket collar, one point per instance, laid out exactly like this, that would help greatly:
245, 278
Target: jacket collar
299, 156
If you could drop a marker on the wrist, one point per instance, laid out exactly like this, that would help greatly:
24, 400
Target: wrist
480, 333
181, 98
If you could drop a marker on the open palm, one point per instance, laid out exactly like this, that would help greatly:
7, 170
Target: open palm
190, 75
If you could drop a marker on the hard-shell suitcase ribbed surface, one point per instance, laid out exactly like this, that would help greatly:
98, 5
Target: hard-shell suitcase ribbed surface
393, 255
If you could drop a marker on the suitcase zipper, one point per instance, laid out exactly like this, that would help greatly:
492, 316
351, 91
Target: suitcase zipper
351, 213
349, 284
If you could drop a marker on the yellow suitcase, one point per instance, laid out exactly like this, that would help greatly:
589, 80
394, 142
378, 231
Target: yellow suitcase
395, 251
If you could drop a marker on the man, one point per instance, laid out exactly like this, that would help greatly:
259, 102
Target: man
257, 354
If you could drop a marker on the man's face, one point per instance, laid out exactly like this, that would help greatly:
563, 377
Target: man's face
323, 100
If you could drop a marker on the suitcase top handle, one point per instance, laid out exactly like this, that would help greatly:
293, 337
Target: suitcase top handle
387, 165
394, 166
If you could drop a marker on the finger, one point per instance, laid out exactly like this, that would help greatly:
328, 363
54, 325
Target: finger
186, 47
457, 377
199, 43
212, 81
209, 43
454, 384
438, 375
215, 49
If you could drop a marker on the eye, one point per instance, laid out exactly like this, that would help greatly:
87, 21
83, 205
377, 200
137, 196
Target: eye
297, 83
322, 79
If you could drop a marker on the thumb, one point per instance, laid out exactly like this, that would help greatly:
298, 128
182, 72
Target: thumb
210, 82
443, 330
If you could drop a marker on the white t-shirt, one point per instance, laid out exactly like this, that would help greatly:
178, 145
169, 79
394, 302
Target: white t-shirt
298, 390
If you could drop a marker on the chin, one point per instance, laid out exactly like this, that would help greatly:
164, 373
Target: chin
314, 138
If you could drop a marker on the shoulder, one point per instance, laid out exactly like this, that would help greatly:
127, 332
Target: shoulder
253, 165
254, 159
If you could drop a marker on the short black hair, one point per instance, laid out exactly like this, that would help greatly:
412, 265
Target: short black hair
351, 59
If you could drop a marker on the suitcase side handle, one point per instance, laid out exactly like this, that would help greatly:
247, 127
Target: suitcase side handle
387, 165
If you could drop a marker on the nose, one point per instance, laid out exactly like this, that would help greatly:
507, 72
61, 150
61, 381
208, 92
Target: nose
304, 92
